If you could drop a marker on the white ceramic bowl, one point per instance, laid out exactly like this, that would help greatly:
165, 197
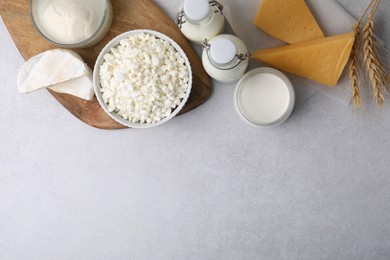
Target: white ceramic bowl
96, 79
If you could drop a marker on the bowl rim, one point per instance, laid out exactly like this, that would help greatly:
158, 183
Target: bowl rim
96, 79
84, 43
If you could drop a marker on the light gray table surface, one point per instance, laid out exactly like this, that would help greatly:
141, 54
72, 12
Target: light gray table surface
203, 186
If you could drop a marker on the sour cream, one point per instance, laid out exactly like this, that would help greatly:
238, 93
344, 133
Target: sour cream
69, 21
72, 23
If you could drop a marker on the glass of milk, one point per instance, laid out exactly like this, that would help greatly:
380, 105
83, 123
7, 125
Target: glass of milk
264, 97
72, 23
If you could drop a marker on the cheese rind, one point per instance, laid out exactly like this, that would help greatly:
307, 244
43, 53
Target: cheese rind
322, 60
63, 71
288, 20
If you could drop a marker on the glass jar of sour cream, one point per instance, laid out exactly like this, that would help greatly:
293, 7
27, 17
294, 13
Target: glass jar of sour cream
72, 23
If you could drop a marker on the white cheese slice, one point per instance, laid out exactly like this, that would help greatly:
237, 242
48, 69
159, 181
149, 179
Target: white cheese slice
84, 91
63, 71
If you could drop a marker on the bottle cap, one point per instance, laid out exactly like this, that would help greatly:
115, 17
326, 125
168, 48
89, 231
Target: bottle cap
196, 10
223, 51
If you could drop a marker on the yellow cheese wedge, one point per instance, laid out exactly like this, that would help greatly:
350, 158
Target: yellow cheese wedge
322, 60
288, 20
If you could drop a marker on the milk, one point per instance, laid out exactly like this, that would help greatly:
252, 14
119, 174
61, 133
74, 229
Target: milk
225, 58
264, 97
200, 19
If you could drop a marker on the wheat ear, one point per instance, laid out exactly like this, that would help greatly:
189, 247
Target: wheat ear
373, 66
385, 79
353, 69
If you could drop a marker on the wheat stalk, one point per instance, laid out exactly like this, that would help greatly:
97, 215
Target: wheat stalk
374, 66
353, 69
382, 68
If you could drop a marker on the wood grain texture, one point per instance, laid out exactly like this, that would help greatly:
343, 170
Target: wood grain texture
128, 15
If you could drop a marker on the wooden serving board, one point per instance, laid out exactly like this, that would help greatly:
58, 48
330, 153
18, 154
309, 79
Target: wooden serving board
128, 15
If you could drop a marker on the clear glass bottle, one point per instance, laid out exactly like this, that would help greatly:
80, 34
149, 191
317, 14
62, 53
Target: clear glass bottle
225, 58
201, 19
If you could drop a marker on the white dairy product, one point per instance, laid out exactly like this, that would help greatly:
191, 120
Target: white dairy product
72, 23
69, 21
81, 87
63, 71
143, 79
225, 58
264, 97
201, 19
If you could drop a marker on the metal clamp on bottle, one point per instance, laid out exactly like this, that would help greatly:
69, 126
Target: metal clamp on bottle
181, 15
217, 5
233, 63
225, 58
180, 19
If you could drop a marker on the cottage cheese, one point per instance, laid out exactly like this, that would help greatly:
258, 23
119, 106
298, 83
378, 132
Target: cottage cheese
143, 79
